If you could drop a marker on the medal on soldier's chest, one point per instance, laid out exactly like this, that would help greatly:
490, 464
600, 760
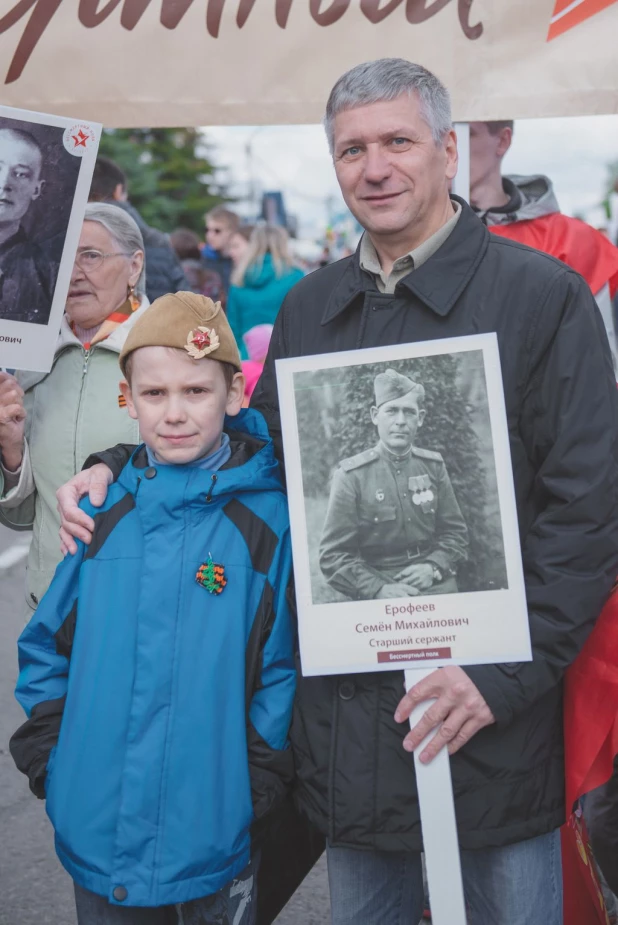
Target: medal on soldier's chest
422, 495
379, 495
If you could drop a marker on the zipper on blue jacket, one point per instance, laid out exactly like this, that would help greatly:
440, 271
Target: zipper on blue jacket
212, 486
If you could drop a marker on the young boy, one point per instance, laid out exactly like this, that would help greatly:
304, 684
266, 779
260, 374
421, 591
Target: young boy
158, 672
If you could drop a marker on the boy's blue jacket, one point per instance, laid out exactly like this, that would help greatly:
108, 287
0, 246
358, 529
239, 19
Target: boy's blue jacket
159, 712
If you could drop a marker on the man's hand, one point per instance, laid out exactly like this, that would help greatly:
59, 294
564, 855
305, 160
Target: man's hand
397, 590
12, 421
419, 574
74, 522
458, 707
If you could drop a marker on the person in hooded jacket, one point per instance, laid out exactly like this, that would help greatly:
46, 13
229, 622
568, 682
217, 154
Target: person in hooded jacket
51, 422
525, 209
158, 672
261, 281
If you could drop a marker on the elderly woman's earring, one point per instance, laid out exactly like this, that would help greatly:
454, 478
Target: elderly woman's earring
132, 298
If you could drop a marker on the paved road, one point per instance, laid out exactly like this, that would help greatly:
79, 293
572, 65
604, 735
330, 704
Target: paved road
34, 889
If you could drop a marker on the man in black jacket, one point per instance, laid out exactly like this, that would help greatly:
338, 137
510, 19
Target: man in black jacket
428, 268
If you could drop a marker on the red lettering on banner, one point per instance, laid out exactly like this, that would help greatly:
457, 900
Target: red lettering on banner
172, 12
90, 16
244, 8
133, 12
417, 10
37, 24
371, 9
470, 32
214, 12
282, 11
331, 15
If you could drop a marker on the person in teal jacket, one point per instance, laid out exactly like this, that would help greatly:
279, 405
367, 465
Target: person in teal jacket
261, 281
158, 672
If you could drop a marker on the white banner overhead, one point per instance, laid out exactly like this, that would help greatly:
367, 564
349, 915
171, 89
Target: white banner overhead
200, 62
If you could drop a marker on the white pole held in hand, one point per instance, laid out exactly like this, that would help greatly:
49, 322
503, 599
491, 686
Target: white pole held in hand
435, 795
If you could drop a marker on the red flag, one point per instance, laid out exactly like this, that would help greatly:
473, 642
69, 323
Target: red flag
583, 900
591, 742
591, 683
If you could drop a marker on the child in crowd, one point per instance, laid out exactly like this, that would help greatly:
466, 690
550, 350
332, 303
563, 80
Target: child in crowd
256, 342
158, 672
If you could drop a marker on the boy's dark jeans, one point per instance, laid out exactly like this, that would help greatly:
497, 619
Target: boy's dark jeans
235, 903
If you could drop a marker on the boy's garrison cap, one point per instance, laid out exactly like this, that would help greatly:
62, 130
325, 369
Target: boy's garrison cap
189, 322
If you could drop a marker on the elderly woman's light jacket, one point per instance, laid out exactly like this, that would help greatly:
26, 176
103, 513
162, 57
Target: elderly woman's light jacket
72, 412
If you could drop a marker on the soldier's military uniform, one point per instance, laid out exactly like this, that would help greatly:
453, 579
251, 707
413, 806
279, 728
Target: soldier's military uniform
27, 280
387, 512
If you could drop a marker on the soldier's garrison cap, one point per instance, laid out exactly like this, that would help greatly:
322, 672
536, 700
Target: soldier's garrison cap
187, 321
391, 384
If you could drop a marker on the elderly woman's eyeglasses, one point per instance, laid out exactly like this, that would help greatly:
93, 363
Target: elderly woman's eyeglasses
92, 260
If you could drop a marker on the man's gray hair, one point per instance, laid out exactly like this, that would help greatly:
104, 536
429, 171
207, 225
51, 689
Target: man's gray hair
384, 80
123, 229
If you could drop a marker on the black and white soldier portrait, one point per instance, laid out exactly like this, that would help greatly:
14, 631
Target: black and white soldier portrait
393, 527
399, 479
37, 185
402, 508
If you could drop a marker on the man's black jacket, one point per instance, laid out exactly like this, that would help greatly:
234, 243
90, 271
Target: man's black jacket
354, 779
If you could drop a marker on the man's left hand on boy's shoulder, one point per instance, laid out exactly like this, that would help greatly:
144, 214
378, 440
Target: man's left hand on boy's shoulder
75, 524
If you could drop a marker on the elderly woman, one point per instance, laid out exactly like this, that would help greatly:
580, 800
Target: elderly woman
51, 422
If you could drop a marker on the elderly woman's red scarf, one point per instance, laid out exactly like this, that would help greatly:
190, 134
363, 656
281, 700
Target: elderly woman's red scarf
591, 742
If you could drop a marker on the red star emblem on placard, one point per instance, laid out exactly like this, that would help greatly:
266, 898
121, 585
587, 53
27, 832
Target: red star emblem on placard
80, 139
570, 13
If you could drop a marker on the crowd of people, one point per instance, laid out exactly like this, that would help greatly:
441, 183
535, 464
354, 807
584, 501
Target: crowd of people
158, 667
248, 268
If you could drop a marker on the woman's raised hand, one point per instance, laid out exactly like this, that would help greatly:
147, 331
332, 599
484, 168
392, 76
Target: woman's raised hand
12, 421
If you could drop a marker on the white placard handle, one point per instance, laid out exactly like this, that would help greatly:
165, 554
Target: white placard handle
435, 795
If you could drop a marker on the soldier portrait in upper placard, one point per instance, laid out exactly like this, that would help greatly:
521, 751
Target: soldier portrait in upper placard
37, 182
46, 165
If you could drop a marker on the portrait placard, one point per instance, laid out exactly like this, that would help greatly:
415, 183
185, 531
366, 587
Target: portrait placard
46, 166
402, 507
